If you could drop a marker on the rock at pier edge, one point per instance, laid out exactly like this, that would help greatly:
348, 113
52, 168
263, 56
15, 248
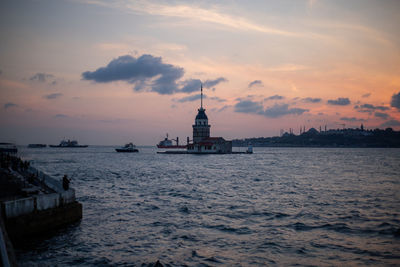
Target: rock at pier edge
33, 203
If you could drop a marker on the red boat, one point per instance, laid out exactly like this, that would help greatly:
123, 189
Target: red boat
167, 143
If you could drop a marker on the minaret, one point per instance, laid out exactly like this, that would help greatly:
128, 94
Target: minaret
201, 128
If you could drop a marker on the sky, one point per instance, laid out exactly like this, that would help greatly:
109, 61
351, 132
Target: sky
111, 72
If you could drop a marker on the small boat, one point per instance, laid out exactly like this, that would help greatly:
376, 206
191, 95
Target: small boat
68, 143
8, 148
37, 145
127, 148
167, 143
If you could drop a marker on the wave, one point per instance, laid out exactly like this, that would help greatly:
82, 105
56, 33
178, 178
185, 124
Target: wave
230, 229
381, 229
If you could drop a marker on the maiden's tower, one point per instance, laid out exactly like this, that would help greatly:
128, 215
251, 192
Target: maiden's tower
202, 142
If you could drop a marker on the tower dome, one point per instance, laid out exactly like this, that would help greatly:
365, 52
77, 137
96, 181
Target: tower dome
202, 114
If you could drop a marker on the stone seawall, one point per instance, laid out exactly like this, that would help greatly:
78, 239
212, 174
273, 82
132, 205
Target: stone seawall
44, 205
6, 248
42, 222
40, 202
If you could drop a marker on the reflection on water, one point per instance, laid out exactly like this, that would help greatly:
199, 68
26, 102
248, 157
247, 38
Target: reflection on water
307, 206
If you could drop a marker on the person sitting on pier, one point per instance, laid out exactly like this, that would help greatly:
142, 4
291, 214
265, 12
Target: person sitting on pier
65, 182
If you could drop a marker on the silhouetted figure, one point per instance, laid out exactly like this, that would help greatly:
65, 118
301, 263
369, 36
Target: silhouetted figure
65, 182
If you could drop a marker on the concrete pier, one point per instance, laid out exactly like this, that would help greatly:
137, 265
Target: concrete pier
39, 222
33, 203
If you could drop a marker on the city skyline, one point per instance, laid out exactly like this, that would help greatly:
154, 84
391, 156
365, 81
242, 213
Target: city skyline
109, 72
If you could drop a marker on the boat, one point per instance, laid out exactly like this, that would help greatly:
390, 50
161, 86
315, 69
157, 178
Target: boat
68, 143
167, 143
8, 148
127, 148
37, 145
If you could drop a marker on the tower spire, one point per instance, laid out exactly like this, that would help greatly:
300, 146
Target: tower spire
201, 95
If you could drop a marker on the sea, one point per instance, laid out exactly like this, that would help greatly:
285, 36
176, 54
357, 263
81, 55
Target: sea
276, 207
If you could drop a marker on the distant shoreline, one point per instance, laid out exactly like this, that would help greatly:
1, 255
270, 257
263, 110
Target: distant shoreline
346, 138
316, 146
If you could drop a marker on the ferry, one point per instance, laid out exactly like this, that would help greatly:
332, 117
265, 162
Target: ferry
127, 148
68, 143
167, 143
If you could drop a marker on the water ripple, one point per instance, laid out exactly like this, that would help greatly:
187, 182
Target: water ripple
279, 206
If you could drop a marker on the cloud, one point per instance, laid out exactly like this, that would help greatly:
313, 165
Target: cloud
41, 77
278, 110
146, 72
341, 101
381, 115
190, 86
199, 14
274, 97
10, 105
256, 83
363, 110
223, 108
282, 110
61, 116
287, 68
216, 98
197, 97
312, 100
190, 98
366, 95
248, 106
390, 123
193, 85
53, 96
352, 119
211, 83
371, 107
395, 102
1, 72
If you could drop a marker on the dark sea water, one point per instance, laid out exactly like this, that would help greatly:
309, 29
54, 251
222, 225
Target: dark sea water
278, 206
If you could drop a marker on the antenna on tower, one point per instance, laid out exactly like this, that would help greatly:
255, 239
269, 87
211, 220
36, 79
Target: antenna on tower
201, 95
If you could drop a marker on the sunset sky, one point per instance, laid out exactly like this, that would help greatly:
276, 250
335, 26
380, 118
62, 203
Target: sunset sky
110, 72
